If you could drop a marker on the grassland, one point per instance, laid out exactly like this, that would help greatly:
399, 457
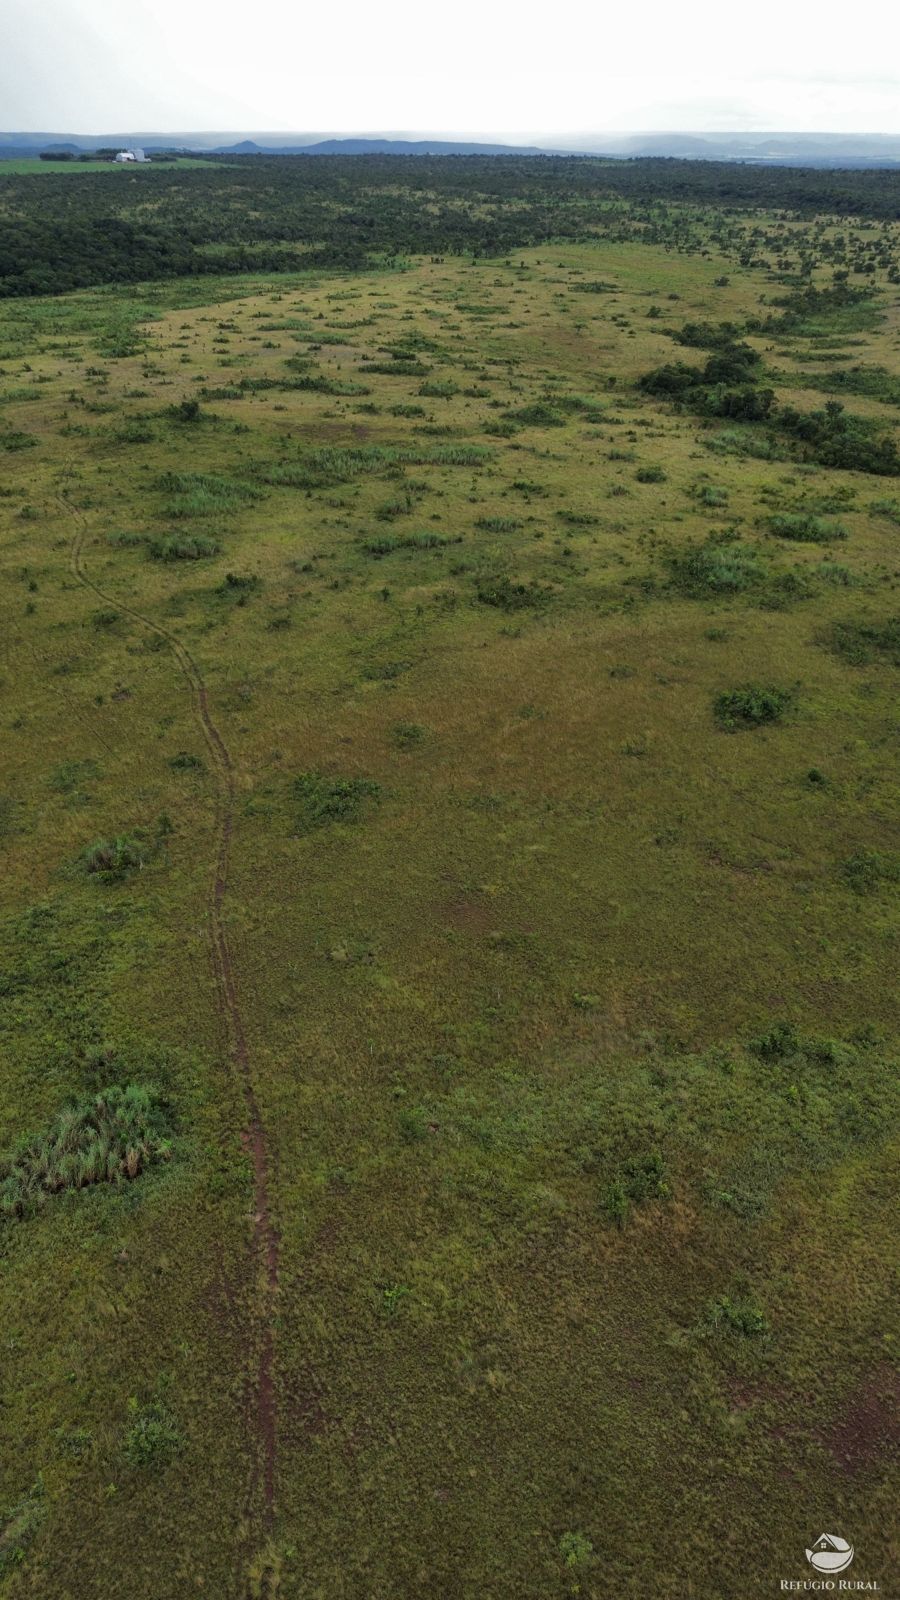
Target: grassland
458, 790
26, 166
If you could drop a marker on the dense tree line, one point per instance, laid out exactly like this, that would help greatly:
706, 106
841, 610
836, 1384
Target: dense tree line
258, 213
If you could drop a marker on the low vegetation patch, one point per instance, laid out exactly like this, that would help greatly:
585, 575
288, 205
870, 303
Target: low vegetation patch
806, 529
752, 706
109, 1137
321, 800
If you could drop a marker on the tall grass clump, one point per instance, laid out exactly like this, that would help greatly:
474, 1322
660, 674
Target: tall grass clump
109, 1137
805, 529
717, 567
202, 494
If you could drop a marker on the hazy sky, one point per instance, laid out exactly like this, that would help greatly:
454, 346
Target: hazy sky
526, 69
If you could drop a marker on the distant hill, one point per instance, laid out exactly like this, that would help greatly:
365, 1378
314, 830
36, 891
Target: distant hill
774, 148
383, 147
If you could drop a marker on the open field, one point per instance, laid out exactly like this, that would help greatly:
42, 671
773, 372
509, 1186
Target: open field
26, 166
458, 783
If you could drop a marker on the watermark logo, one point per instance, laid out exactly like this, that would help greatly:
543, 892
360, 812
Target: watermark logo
830, 1554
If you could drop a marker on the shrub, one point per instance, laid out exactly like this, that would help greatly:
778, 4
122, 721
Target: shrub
322, 800
185, 411
886, 508
751, 706
439, 389
538, 415
866, 870
806, 529
199, 494
639, 1179
508, 596
576, 1550
153, 1436
860, 642
112, 860
741, 1315
182, 547
408, 734
106, 1138
650, 475
184, 761
717, 567
498, 524
781, 1042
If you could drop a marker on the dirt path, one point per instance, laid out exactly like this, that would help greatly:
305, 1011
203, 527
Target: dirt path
266, 1241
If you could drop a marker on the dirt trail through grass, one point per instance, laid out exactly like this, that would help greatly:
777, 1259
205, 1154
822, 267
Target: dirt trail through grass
266, 1241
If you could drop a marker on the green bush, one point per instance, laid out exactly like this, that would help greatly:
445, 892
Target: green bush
860, 642
740, 1315
508, 596
153, 1436
182, 547
866, 870
751, 706
322, 800
806, 529
717, 567
112, 860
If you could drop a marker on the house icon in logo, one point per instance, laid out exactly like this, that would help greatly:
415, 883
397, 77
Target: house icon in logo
830, 1553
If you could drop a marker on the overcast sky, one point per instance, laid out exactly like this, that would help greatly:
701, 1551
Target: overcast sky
522, 70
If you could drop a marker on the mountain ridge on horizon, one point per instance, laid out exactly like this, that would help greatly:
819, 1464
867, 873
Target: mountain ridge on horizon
781, 148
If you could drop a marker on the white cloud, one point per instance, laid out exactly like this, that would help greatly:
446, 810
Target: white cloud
92, 65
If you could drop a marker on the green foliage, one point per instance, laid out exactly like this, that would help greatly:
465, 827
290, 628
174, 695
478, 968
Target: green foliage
202, 494
324, 465
889, 508
860, 643
505, 595
153, 1437
106, 1138
834, 309
738, 1315
866, 870
640, 1178
576, 1550
322, 800
112, 860
407, 735
718, 567
497, 524
805, 529
539, 415
751, 706
20, 1525
385, 544
182, 547
186, 411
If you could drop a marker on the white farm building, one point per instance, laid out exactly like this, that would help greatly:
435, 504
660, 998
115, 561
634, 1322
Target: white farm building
131, 155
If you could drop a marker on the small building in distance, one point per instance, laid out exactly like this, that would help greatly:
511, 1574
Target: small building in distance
132, 155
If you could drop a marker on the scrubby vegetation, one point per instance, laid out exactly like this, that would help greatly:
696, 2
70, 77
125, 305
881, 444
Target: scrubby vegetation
458, 771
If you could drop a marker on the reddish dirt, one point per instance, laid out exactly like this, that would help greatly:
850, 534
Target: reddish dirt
266, 1240
467, 915
867, 1428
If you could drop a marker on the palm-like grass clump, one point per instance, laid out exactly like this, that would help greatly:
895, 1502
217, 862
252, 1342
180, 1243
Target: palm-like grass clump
106, 1138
